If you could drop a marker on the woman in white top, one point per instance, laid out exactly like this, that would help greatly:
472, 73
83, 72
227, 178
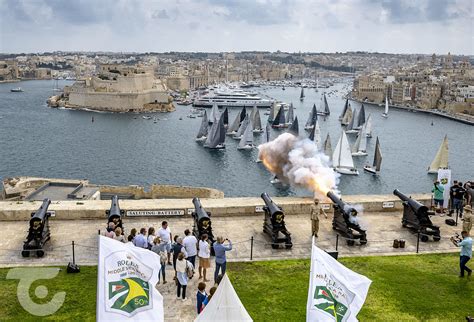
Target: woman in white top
181, 274
151, 237
204, 256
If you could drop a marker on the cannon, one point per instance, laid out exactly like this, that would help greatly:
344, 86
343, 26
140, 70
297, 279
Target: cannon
38, 233
416, 216
341, 221
202, 221
274, 223
114, 214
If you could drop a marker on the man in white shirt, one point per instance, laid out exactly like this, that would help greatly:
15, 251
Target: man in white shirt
141, 240
190, 244
165, 236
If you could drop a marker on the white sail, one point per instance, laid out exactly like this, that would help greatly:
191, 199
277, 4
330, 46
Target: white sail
342, 156
317, 135
378, 156
386, 105
290, 117
247, 138
242, 128
254, 111
257, 122
214, 115
441, 159
360, 145
352, 123
232, 129
328, 147
347, 116
201, 136
368, 126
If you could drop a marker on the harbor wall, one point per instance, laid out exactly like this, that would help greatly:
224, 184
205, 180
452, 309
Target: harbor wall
221, 207
163, 191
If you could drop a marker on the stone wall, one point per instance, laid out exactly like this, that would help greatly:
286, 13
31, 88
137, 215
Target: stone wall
163, 191
221, 207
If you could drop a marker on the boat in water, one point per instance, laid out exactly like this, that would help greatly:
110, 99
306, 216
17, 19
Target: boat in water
234, 127
246, 142
350, 128
290, 116
360, 146
326, 110
385, 113
203, 130
280, 120
231, 98
16, 90
294, 128
302, 94
312, 119
243, 126
375, 168
216, 136
368, 126
266, 137
344, 110
328, 147
257, 123
346, 119
342, 157
441, 158
360, 118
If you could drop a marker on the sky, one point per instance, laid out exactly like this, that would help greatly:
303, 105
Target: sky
391, 26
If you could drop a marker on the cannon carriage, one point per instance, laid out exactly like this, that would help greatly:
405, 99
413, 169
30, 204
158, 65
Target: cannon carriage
416, 217
274, 223
115, 214
202, 221
38, 232
341, 221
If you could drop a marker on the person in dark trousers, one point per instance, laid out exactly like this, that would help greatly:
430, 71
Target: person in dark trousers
466, 252
219, 250
458, 199
438, 191
201, 297
451, 201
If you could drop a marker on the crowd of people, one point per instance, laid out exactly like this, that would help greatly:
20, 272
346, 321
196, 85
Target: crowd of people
180, 252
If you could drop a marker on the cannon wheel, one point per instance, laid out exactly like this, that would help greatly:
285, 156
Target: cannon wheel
274, 245
40, 253
436, 238
288, 246
350, 242
424, 238
363, 242
25, 253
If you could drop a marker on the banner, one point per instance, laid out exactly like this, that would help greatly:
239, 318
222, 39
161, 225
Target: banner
126, 279
335, 292
444, 178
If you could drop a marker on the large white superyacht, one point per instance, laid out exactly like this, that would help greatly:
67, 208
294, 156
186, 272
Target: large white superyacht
226, 97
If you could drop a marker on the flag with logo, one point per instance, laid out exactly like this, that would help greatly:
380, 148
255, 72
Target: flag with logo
335, 292
444, 178
126, 280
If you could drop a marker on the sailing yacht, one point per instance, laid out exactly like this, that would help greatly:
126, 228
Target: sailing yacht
290, 117
225, 115
294, 128
385, 113
342, 157
257, 123
350, 128
344, 110
346, 119
368, 126
326, 111
214, 115
360, 146
241, 130
315, 135
360, 118
279, 120
232, 129
216, 136
312, 119
266, 138
246, 142
375, 168
203, 130
328, 147
302, 94
440, 161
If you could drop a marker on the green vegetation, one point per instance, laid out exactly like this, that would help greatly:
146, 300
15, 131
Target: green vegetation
404, 288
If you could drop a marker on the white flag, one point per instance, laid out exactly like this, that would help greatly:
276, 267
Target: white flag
335, 292
444, 178
126, 280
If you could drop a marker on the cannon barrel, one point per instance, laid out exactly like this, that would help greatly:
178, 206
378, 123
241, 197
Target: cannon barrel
344, 207
114, 210
272, 207
200, 212
39, 215
414, 204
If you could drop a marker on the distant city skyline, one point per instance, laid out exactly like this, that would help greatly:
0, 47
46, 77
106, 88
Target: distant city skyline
391, 26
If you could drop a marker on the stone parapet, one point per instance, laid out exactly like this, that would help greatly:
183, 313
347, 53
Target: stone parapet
219, 207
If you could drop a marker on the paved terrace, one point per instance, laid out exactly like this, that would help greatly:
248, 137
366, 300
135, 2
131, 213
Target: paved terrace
382, 228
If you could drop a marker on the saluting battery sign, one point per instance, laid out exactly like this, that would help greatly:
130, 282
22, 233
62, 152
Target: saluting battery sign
155, 213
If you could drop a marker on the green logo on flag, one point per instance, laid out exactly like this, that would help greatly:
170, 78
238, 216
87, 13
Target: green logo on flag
133, 293
329, 304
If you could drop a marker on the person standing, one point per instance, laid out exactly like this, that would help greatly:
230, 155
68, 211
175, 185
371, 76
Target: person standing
201, 297
190, 244
204, 256
451, 201
221, 260
165, 236
160, 249
141, 240
458, 199
316, 210
466, 252
438, 191
182, 276
151, 237
177, 248
470, 194
467, 219
118, 235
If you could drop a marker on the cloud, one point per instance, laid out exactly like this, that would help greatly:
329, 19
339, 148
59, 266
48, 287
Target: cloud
160, 14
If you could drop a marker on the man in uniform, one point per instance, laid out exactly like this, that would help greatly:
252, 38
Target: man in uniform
315, 211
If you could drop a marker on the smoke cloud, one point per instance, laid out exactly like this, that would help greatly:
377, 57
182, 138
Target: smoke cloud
298, 162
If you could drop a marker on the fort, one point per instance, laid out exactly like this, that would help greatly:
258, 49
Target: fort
117, 88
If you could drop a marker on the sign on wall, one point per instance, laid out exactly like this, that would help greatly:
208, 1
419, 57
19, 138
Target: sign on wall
388, 204
155, 213
259, 209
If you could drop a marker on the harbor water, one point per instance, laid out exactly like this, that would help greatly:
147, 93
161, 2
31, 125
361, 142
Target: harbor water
125, 149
